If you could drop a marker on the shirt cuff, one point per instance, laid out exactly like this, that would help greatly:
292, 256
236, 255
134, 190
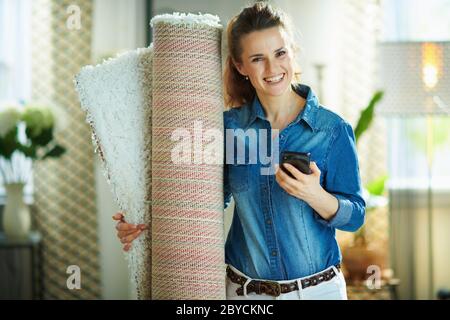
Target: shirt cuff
342, 215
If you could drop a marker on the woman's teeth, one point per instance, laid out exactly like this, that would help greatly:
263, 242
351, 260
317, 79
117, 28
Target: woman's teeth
275, 79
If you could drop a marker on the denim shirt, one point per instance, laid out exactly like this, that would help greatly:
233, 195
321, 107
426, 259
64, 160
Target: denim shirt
275, 235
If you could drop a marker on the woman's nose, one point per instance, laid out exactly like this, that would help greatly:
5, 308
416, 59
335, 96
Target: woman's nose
270, 66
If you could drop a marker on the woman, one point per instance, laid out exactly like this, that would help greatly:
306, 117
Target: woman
282, 244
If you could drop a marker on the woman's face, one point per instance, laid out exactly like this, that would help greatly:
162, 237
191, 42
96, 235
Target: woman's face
267, 59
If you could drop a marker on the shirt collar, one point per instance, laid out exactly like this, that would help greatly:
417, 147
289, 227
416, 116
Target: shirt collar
308, 114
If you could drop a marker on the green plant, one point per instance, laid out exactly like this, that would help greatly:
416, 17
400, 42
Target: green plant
28, 131
367, 115
374, 189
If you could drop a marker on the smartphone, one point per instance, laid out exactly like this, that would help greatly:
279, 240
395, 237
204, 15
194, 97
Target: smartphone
299, 160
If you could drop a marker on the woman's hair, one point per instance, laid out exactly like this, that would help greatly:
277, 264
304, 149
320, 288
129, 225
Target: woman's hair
259, 16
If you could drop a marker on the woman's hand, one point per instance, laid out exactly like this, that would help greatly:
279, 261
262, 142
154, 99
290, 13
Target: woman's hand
307, 187
304, 186
127, 232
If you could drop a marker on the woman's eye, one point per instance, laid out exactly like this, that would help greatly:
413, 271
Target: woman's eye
281, 53
256, 59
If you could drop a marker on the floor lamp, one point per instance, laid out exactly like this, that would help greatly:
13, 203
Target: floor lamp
416, 79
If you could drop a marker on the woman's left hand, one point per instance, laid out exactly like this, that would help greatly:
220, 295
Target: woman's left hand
304, 186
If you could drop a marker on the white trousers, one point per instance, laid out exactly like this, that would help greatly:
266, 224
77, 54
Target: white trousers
333, 289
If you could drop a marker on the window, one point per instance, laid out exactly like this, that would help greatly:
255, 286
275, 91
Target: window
409, 153
416, 20
15, 56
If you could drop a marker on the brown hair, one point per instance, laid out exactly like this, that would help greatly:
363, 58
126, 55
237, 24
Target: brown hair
259, 16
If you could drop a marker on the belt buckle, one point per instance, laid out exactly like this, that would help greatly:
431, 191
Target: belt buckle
275, 288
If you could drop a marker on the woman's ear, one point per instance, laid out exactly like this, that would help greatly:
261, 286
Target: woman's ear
239, 67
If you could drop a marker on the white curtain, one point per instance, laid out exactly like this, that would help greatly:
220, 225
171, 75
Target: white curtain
410, 206
15, 49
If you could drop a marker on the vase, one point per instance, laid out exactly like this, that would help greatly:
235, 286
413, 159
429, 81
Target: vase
357, 259
16, 214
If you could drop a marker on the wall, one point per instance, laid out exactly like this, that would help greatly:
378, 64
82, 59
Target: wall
118, 25
319, 33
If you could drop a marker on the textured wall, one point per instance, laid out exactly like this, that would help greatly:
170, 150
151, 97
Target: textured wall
65, 188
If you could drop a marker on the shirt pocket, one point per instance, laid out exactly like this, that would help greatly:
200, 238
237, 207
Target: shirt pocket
238, 177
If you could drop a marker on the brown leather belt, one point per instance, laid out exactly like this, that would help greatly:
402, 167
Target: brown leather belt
274, 288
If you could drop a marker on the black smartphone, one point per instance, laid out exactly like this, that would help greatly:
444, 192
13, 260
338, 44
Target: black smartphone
299, 160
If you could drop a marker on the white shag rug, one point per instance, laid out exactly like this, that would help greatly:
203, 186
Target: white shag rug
117, 97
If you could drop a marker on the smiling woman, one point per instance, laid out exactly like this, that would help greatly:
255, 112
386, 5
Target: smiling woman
282, 241
283, 230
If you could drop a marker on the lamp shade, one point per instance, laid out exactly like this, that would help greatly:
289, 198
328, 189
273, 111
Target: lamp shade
415, 77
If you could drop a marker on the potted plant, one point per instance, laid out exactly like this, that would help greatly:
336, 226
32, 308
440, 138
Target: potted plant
26, 135
360, 255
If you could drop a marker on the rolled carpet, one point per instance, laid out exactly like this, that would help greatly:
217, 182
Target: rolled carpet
117, 98
187, 198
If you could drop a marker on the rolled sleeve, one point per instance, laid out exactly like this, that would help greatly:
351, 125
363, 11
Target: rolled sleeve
348, 217
343, 181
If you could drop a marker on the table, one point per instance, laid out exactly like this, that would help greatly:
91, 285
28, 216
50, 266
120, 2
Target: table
360, 291
21, 274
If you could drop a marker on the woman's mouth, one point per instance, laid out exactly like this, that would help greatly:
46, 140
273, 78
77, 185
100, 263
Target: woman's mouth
275, 79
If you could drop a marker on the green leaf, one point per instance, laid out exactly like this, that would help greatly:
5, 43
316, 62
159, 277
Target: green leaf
377, 186
55, 152
43, 138
28, 151
367, 115
9, 143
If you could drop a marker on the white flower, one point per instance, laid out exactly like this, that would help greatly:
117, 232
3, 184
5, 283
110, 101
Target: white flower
10, 115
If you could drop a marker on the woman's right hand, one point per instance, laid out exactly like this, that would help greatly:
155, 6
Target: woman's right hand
127, 232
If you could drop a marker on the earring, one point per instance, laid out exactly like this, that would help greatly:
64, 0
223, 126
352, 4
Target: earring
246, 77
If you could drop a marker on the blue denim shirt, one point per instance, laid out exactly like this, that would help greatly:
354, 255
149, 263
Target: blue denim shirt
275, 235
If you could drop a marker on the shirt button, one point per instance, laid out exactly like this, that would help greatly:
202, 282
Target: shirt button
268, 221
274, 253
